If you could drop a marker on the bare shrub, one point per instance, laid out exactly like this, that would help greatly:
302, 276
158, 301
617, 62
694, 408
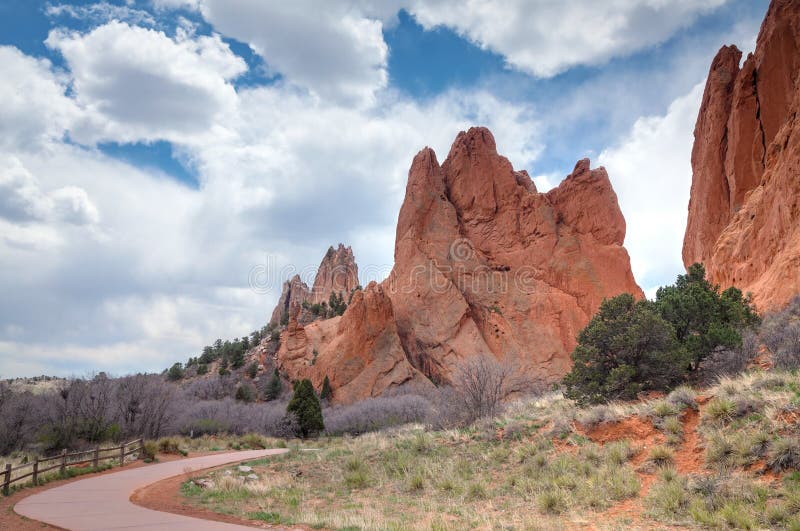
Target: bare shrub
780, 332
375, 414
729, 362
482, 384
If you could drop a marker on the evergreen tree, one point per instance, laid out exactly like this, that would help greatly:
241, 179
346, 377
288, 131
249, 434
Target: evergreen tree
175, 372
326, 393
245, 393
625, 349
252, 369
274, 387
703, 318
631, 346
306, 407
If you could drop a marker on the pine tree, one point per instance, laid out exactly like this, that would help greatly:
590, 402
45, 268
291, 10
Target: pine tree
274, 387
306, 407
327, 392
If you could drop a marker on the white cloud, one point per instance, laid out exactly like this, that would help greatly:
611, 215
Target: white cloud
23, 200
139, 84
333, 49
101, 12
545, 38
651, 172
170, 272
33, 108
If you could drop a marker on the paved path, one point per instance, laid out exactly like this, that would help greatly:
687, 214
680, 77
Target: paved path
103, 502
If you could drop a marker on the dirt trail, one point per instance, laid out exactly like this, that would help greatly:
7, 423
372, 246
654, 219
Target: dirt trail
688, 460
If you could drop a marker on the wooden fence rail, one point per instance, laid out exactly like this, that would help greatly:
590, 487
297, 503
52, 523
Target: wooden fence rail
62, 461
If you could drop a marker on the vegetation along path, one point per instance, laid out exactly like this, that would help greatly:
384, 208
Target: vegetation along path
103, 502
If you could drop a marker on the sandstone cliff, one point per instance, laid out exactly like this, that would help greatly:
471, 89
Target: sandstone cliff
484, 266
744, 218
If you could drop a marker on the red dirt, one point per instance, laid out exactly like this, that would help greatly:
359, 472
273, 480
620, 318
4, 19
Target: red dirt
688, 460
635, 429
689, 457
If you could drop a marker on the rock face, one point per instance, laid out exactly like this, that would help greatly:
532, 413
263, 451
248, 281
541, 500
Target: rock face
337, 273
295, 292
360, 352
744, 218
484, 266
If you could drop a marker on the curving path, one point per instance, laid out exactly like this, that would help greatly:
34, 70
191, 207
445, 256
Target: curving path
103, 502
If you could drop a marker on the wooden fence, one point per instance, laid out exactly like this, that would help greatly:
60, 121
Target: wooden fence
65, 460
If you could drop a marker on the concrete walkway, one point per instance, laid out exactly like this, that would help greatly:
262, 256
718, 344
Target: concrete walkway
103, 502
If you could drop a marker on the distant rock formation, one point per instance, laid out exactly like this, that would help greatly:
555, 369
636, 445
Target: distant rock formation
337, 273
744, 211
295, 292
484, 266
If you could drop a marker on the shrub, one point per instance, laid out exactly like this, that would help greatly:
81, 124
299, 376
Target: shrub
682, 397
252, 370
596, 415
661, 456
625, 349
175, 372
274, 387
482, 383
551, 502
149, 449
375, 414
170, 445
704, 319
305, 405
245, 393
253, 440
720, 410
629, 346
784, 454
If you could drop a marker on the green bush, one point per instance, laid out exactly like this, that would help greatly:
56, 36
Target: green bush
245, 393
625, 349
306, 407
629, 346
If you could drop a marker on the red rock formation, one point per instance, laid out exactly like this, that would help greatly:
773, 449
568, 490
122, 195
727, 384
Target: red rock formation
744, 221
295, 292
484, 266
360, 352
337, 273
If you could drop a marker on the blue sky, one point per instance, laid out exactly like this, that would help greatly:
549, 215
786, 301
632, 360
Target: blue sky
154, 154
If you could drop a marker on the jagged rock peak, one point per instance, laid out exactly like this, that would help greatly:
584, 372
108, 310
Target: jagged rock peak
294, 293
337, 273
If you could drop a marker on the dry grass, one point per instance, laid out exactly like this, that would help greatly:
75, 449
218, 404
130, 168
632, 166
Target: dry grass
530, 469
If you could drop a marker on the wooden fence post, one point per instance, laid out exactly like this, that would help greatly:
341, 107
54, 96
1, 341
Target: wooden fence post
63, 469
122, 454
36, 471
96, 460
7, 480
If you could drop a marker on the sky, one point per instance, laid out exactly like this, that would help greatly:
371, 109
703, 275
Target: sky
166, 164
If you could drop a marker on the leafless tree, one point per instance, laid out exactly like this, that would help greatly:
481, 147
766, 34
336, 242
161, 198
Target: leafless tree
482, 383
